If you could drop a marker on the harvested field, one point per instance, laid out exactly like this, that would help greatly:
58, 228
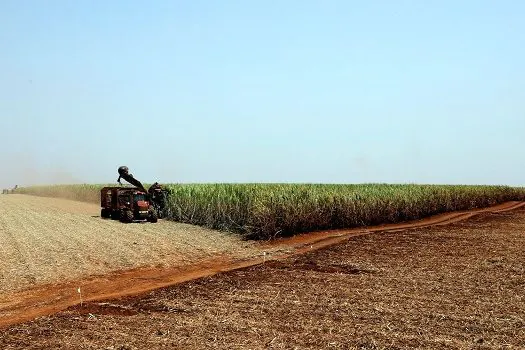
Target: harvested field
450, 287
48, 240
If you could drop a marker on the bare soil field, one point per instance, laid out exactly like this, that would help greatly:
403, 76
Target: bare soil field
458, 286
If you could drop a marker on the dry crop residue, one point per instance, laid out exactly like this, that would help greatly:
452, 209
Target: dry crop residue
48, 240
445, 287
60, 245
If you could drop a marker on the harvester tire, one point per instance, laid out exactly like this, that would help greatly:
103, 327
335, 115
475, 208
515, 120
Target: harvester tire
115, 215
153, 216
104, 213
127, 217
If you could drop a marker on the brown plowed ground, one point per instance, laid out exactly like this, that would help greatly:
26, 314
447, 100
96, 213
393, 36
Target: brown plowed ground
458, 286
46, 299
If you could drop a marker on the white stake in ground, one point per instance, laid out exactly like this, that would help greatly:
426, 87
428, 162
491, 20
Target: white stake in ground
80, 294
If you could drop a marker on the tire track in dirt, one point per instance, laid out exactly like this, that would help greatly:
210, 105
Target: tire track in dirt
47, 299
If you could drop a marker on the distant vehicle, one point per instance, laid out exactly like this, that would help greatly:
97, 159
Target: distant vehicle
8, 191
127, 204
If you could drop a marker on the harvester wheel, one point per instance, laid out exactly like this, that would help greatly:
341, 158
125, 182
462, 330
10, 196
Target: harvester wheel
104, 213
153, 216
160, 212
128, 216
115, 215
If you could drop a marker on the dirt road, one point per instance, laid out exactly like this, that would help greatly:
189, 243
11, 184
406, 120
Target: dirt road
54, 246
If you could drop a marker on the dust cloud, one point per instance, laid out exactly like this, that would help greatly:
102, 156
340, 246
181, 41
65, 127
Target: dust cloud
25, 170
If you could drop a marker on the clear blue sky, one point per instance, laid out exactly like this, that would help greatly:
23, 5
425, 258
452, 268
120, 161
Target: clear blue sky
263, 91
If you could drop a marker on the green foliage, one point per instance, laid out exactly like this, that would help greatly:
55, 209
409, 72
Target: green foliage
266, 211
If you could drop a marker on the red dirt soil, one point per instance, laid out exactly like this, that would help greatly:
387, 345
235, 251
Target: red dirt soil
48, 299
